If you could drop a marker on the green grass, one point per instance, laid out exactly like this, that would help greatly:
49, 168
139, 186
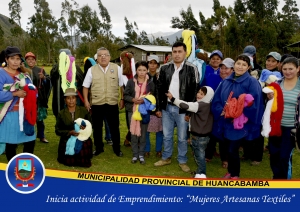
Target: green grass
108, 162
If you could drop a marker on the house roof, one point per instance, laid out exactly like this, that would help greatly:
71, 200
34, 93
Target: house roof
149, 48
297, 44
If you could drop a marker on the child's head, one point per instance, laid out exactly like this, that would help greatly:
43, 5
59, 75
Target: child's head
290, 68
141, 69
201, 93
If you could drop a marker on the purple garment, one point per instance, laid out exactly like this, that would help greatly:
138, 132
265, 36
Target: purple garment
70, 73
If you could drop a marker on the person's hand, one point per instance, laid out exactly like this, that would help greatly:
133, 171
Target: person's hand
41, 76
187, 118
19, 93
121, 104
169, 95
223, 113
87, 105
270, 95
158, 114
138, 101
74, 133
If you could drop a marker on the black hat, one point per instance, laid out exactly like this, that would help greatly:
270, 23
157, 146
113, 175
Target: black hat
12, 51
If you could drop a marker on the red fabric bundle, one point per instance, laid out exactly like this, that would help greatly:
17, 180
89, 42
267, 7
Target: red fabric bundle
275, 119
30, 105
235, 107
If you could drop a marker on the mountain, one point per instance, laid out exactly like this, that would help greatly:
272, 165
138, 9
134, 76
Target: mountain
172, 37
6, 25
161, 34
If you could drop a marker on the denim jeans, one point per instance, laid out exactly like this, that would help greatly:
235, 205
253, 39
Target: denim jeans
170, 119
199, 145
107, 131
158, 142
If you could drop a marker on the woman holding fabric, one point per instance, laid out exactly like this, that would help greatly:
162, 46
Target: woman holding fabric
238, 107
134, 93
65, 129
16, 127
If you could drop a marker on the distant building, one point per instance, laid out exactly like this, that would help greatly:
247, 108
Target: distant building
141, 52
293, 49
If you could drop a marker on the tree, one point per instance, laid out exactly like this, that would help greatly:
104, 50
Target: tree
43, 28
187, 20
160, 41
144, 39
288, 23
131, 34
68, 21
105, 19
219, 20
1, 35
15, 19
89, 23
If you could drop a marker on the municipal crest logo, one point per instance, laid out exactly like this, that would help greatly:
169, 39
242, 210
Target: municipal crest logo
25, 173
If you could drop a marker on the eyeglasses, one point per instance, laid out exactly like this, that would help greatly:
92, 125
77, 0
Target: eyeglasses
103, 55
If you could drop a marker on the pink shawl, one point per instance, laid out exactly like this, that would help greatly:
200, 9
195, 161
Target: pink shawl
135, 126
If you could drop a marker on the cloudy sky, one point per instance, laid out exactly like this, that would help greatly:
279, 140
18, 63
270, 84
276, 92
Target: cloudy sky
152, 16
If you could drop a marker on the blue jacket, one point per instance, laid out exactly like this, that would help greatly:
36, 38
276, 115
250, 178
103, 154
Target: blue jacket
243, 84
211, 79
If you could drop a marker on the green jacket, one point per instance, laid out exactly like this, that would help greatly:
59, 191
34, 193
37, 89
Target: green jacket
65, 124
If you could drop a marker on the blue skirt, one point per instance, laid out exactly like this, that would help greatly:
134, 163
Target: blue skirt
10, 130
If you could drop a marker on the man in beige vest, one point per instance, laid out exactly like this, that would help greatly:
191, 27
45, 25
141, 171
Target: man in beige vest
105, 80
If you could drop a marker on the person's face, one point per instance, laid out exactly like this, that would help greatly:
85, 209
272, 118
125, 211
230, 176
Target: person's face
30, 61
271, 63
200, 95
178, 54
224, 71
103, 58
240, 67
290, 71
215, 61
14, 62
70, 101
141, 72
152, 65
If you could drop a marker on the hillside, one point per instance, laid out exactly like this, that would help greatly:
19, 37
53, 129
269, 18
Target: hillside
6, 26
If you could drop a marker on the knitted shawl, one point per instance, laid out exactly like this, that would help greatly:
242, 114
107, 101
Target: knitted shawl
135, 127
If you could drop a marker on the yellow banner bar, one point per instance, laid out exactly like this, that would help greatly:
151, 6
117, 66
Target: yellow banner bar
167, 181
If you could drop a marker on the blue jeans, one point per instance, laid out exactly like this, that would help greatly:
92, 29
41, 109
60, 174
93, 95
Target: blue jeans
107, 131
158, 143
170, 119
199, 145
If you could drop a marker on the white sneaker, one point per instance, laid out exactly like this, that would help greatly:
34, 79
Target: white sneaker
200, 176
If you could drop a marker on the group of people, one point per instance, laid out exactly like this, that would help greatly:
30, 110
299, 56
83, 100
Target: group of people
231, 102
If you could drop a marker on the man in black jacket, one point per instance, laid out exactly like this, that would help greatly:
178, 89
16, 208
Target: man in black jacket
181, 78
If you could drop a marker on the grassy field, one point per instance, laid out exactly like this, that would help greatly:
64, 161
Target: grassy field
108, 162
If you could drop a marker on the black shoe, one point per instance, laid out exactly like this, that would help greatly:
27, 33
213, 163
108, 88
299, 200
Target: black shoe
120, 154
97, 152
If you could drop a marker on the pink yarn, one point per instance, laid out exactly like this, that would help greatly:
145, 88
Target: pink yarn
238, 123
70, 73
